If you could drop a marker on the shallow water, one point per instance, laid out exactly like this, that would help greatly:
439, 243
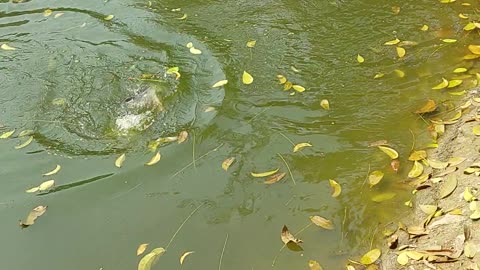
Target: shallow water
70, 74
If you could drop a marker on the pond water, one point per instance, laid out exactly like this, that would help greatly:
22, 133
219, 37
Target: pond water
70, 75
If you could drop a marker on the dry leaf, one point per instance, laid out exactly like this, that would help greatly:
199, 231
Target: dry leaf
46, 185
430, 106
33, 215
264, 174
25, 143
227, 163
449, 186
300, 146
7, 134
371, 256
336, 188
325, 104
314, 265
108, 18
402, 258
58, 15
251, 43
389, 151
418, 155
395, 165
119, 161
154, 159
322, 222
219, 83
182, 137
287, 237
247, 78
32, 190
54, 171
5, 47
416, 170
275, 178
375, 177
150, 259
184, 255
141, 248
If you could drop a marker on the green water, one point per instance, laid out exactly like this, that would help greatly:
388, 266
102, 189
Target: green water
98, 214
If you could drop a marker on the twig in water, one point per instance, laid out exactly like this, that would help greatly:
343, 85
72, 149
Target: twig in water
284, 245
183, 223
365, 181
223, 251
291, 142
288, 168
193, 151
191, 163
373, 237
413, 143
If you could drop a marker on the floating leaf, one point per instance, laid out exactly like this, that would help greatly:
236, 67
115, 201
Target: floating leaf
194, 50
430, 106
300, 146
47, 12
5, 47
174, 70
395, 165
7, 134
275, 178
281, 79
26, 132
108, 18
392, 42
154, 159
227, 163
378, 75
389, 151
325, 104
184, 255
25, 143
119, 161
476, 130
32, 190
287, 237
314, 265
460, 70
449, 186
54, 171
287, 86
210, 109
399, 73
375, 177
247, 78
416, 170
183, 17
371, 256
141, 248
336, 188
462, 16
441, 85
33, 215
449, 40
360, 58
322, 222
46, 185
383, 197
470, 26
219, 83
396, 10
475, 49
264, 174
424, 28
298, 88
182, 136
454, 83
401, 52
150, 259
251, 43
58, 15
418, 155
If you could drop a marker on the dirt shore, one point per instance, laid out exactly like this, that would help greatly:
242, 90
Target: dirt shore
443, 232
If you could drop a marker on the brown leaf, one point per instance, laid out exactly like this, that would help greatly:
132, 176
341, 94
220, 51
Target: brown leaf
430, 106
395, 165
275, 178
287, 237
33, 215
392, 241
227, 163
322, 222
182, 137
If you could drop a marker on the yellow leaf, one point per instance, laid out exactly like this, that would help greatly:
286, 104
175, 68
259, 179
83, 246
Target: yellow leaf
154, 159
314, 265
150, 259
414, 255
392, 42
274, 178
46, 185
471, 56
247, 78
378, 75
428, 209
58, 15
322, 222
462, 16
5, 47
54, 171
416, 170
402, 258
467, 194
300, 146
227, 163
108, 18
264, 174
470, 26
182, 136
119, 161
336, 188
389, 151
183, 17
383, 197
184, 255
442, 85
325, 104
194, 50
454, 83
281, 79
449, 40
360, 58
189, 45
219, 83
375, 177
287, 86
141, 248
475, 49
298, 88
437, 164
32, 190
470, 250
448, 186
424, 28
47, 12
418, 155
25, 143
251, 43
371, 256
476, 130
459, 70
399, 73
401, 52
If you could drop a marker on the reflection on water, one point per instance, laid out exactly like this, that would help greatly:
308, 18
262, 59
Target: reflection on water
71, 74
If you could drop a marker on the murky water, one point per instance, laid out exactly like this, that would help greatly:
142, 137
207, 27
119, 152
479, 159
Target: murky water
71, 74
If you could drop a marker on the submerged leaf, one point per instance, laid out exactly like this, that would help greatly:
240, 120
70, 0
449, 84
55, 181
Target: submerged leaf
281, 79
360, 58
322, 222
336, 188
154, 159
108, 18
25, 143
300, 146
264, 174
371, 256
141, 248
33, 215
401, 52
441, 85
418, 155
7, 134
375, 177
383, 197
325, 104
449, 40
184, 255
247, 78
475, 49
275, 178
119, 161
454, 83
430, 106
424, 28
150, 259
219, 83
227, 163
389, 151
182, 136
314, 265
416, 170
298, 88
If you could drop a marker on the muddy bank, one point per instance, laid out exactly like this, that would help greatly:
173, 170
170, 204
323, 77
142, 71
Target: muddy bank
442, 231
